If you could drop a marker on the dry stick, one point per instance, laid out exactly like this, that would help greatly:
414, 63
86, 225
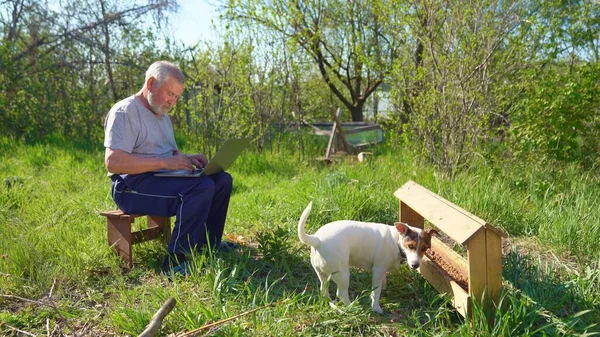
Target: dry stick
52, 305
48, 319
11, 275
52, 288
156, 321
195, 332
55, 307
21, 331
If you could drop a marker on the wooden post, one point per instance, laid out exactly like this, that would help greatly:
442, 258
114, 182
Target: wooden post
477, 264
340, 132
332, 135
494, 265
119, 237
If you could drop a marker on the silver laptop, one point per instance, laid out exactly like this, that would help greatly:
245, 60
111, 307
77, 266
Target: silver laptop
221, 161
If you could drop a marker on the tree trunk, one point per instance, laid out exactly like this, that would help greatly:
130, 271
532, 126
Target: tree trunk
410, 95
106, 50
356, 111
16, 15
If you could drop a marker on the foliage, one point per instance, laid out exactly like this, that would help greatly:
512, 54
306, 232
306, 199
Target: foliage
448, 86
465, 81
62, 67
559, 117
350, 44
273, 246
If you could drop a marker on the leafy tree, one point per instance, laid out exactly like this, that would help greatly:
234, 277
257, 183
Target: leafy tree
351, 43
237, 89
55, 59
557, 115
558, 118
445, 86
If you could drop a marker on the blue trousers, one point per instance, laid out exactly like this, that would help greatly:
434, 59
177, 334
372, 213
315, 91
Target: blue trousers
199, 204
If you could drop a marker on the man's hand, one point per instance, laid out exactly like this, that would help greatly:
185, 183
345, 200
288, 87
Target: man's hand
199, 160
180, 162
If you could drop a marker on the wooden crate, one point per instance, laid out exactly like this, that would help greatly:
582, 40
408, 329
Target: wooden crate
483, 264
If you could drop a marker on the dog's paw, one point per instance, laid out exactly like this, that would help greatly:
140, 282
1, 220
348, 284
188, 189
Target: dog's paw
377, 309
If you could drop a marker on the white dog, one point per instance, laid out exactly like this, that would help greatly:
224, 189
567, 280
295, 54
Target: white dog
370, 246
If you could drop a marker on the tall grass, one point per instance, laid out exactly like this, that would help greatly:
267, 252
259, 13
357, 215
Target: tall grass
57, 274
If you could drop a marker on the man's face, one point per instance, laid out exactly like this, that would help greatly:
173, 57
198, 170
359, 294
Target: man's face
164, 97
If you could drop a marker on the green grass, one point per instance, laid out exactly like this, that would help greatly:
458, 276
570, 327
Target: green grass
53, 242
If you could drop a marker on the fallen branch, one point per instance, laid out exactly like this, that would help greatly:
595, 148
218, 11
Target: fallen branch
21, 331
195, 332
154, 325
48, 301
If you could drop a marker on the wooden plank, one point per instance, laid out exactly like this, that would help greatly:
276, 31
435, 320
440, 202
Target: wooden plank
477, 260
457, 223
146, 234
494, 265
445, 285
347, 124
498, 231
332, 136
119, 214
449, 255
409, 216
363, 129
164, 223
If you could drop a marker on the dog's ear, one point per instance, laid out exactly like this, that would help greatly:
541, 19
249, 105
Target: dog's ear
431, 231
402, 227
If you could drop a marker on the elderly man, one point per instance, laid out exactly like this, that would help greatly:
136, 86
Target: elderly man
139, 140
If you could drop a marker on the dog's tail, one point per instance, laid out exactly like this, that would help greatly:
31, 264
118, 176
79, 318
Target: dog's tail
305, 238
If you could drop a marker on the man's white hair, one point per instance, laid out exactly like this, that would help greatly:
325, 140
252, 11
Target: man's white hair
162, 70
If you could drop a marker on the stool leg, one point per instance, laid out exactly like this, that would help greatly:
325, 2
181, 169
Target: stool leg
119, 237
164, 223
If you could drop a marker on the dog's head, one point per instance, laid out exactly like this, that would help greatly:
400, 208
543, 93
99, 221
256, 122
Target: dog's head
414, 242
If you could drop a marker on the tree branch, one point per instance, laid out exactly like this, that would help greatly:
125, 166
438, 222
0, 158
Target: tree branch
154, 324
109, 18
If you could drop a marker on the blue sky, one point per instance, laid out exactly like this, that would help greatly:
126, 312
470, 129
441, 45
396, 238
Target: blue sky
193, 21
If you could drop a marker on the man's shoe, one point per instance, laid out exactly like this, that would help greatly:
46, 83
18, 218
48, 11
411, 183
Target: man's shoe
182, 269
175, 264
226, 246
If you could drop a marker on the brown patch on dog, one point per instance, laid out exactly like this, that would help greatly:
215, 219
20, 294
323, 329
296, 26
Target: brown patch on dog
411, 244
413, 241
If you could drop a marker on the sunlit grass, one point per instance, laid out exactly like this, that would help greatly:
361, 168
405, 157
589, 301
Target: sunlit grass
53, 241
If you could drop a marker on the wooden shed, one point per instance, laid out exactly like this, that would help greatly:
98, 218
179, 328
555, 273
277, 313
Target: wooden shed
442, 266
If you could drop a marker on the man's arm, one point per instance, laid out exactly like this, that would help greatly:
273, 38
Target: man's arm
122, 162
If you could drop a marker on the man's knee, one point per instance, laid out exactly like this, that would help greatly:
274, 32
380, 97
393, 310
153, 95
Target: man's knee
228, 179
223, 181
209, 187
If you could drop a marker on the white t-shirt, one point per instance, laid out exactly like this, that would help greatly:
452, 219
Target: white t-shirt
130, 127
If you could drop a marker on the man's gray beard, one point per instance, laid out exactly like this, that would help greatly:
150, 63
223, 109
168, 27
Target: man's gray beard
156, 108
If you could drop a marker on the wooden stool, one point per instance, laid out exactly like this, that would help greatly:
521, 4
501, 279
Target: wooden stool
122, 238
